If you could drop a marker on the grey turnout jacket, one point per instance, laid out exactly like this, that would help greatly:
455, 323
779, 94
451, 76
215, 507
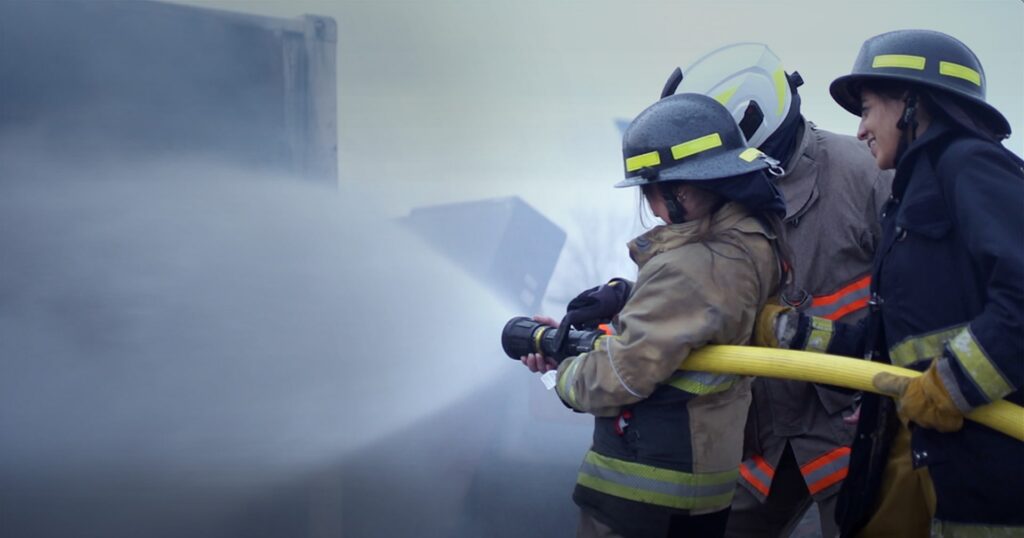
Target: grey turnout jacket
834, 193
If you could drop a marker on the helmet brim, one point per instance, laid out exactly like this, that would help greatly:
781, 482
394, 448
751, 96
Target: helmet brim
841, 90
843, 94
725, 165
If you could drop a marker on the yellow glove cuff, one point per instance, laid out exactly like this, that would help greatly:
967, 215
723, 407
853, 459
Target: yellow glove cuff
765, 333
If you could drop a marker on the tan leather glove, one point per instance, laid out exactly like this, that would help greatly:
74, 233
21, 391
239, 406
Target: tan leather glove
923, 400
765, 334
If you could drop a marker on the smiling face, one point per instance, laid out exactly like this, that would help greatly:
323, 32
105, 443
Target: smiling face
878, 126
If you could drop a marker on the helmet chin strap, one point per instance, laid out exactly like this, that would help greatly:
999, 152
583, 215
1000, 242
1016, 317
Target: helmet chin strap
676, 212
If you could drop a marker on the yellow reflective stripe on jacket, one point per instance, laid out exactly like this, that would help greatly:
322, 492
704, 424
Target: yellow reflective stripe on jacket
922, 347
654, 485
974, 530
978, 366
821, 335
700, 383
565, 387
951, 69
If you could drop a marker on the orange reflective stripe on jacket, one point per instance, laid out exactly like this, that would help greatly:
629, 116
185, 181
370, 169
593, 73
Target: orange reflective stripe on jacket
758, 473
847, 299
826, 470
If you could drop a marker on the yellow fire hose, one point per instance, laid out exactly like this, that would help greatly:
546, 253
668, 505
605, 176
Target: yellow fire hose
854, 374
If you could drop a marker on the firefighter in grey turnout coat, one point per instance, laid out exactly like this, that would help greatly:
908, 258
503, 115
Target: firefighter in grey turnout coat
797, 445
668, 443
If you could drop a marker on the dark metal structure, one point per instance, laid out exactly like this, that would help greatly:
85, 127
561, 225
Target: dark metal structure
95, 79
503, 242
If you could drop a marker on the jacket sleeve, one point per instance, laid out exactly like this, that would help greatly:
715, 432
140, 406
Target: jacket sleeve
984, 187
822, 335
675, 307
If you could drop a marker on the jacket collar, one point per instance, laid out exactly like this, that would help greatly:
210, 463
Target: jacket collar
799, 183
670, 236
936, 131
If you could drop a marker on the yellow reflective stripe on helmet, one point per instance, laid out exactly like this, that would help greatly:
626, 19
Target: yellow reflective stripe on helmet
750, 154
637, 162
951, 69
779, 76
821, 335
923, 346
654, 485
725, 96
695, 146
905, 61
978, 366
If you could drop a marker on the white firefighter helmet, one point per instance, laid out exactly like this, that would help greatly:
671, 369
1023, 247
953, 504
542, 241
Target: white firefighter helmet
748, 79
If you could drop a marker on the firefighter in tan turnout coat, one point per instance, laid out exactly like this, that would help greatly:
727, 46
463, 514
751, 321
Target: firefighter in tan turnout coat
668, 443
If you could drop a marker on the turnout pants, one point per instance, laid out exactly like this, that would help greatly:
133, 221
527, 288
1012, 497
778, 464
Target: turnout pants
787, 502
906, 500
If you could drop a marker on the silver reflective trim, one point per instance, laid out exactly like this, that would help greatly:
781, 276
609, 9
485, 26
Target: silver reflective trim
827, 470
657, 486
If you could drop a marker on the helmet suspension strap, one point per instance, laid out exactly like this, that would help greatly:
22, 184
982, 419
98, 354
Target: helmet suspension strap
676, 212
909, 118
907, 125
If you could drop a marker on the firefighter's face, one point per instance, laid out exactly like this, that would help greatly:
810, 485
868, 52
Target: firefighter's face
878, 118
697, 203
656, 202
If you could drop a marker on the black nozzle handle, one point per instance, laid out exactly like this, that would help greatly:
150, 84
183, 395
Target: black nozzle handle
522, 336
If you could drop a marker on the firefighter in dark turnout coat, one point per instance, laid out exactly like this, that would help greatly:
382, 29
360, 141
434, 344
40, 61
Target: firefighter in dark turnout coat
947, 297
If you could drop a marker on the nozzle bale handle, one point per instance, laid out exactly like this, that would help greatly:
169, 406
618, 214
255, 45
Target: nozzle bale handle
522, 336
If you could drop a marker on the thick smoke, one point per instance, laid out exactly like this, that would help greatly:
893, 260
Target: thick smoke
195, 344
188, 350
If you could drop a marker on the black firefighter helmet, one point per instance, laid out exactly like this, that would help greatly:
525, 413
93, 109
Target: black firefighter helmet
923, 57
692, 137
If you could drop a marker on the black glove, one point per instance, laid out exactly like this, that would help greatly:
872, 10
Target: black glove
593, 307
597, 305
